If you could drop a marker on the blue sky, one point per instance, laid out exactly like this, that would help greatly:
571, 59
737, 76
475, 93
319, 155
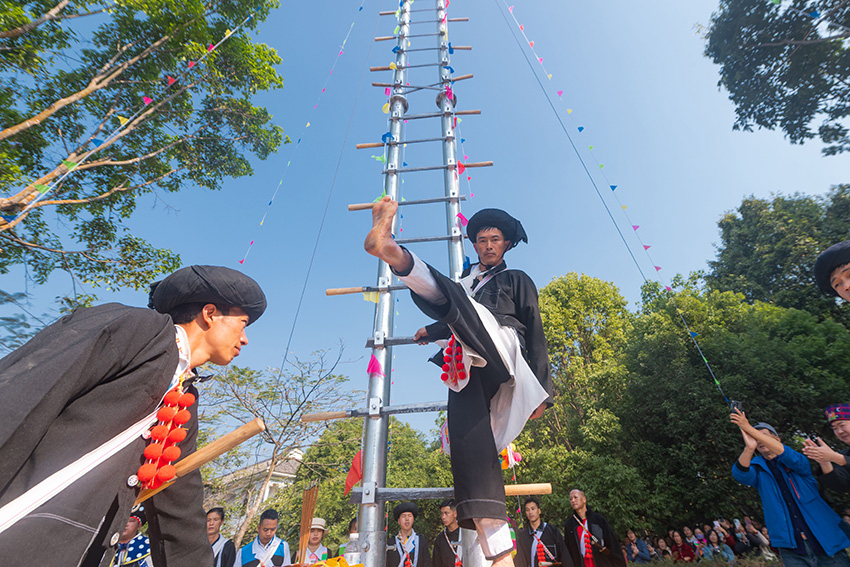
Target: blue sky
636, 80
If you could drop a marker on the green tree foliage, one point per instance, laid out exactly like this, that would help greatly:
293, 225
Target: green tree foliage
413, 462
638, 422
786, 66
73, 72
768, 249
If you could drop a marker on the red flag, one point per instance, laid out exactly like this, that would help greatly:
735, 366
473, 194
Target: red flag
355, 473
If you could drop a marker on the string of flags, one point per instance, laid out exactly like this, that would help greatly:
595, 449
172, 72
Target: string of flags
306, 126
123, 121
600, 167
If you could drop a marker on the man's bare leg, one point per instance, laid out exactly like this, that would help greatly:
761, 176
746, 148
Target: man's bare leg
379, 241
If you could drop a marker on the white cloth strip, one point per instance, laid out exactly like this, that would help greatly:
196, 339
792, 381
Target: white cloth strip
493, 535
422, 282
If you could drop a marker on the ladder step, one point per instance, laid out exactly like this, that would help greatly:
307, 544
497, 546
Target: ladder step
440, 114
392, 341
433, 167
387, 68
422, 407
425, 239
362, 289
394, 143
439, 21
455, 47
389, 494
366, 206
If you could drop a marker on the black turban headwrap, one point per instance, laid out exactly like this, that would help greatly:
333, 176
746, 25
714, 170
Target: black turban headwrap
405, 507
834, 256
496, 218
208, 284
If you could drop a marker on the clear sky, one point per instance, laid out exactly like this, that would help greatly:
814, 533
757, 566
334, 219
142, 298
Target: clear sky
635, 78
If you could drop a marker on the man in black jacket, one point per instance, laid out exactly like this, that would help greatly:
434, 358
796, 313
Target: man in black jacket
78, 402
224, 552
447, 546
538, 542
835, 465
496, 364
589, 538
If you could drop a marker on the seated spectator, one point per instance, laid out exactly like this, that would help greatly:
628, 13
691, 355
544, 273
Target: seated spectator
682, 550
722, 530
352, 528
803, 527
700, 541
636, 550
662, 549
716, 549
743, 544
763, 540
688, 536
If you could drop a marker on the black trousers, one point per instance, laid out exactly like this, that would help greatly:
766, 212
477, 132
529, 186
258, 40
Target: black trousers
478, 484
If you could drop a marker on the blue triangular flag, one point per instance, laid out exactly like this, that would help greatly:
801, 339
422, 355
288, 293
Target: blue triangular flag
815, 14
462, 140
97, 142
451, 49
465, 262
387, 136
395, 49
299, 141
613, 187
581, 128
450, 68
404, 164
694, 335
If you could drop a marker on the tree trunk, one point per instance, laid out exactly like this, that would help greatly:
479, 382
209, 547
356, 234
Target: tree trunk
252, 510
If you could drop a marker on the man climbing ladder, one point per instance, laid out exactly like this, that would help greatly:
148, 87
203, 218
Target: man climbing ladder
499, 378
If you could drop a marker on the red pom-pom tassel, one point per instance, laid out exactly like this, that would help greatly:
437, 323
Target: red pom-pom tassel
171, 453
177, 435
146, 472
186, 400
182, 417
153, 451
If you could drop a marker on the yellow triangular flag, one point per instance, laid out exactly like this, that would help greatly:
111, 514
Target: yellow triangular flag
393, 67
624, 207
308, 125
370, 296
227, 33
386, 108
569, 111
550, 76
121, 119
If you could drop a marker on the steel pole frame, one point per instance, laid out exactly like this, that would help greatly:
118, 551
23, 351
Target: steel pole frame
376, 427
451, 179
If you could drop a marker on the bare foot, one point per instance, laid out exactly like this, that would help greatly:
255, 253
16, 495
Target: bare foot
504, 561
379, 242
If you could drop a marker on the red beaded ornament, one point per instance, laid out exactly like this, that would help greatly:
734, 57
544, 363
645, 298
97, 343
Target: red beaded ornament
164, 437
453, 371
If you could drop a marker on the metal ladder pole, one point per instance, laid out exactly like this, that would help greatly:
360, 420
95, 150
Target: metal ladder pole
451, 178
376, 428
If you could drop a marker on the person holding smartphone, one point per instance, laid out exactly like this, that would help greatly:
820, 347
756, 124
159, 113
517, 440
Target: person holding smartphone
802, 526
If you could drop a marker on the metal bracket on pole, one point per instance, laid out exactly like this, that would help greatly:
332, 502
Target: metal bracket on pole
379, 339
374, 407
370, 490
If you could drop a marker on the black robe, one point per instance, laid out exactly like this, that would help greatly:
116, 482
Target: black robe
423, 559
444, 552
75, 385
839, 479
512, 298
552, 541
606, 553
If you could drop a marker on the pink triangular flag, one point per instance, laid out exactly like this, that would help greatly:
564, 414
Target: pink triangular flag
531, 44
540, 59
210, 48
242, 261
645, 247
521, 28
374, 367
191, 64
171, 80
147, 100
511, 9
387, 91
465, 156
461, 168
340, 51
668, 288
635, 226
463, 220
657, 268
469, 178
560, 93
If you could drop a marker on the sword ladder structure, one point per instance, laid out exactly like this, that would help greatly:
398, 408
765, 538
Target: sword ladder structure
373, 495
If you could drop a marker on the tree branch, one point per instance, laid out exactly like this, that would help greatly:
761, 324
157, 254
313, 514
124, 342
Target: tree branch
52, 14
785, 42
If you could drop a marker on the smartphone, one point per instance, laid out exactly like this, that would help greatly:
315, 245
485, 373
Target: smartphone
735, 405
737, 523
716, 524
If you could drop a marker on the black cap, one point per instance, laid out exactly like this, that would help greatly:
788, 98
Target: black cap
405, 507
497, 218
208, 284
834, 256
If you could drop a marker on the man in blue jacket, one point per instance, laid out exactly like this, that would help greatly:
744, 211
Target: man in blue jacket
803, 527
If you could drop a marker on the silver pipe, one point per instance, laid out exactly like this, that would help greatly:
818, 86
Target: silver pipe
450, 177
376, 428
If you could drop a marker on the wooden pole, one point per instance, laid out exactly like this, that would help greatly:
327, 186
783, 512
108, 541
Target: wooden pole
528, 489
207, 453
